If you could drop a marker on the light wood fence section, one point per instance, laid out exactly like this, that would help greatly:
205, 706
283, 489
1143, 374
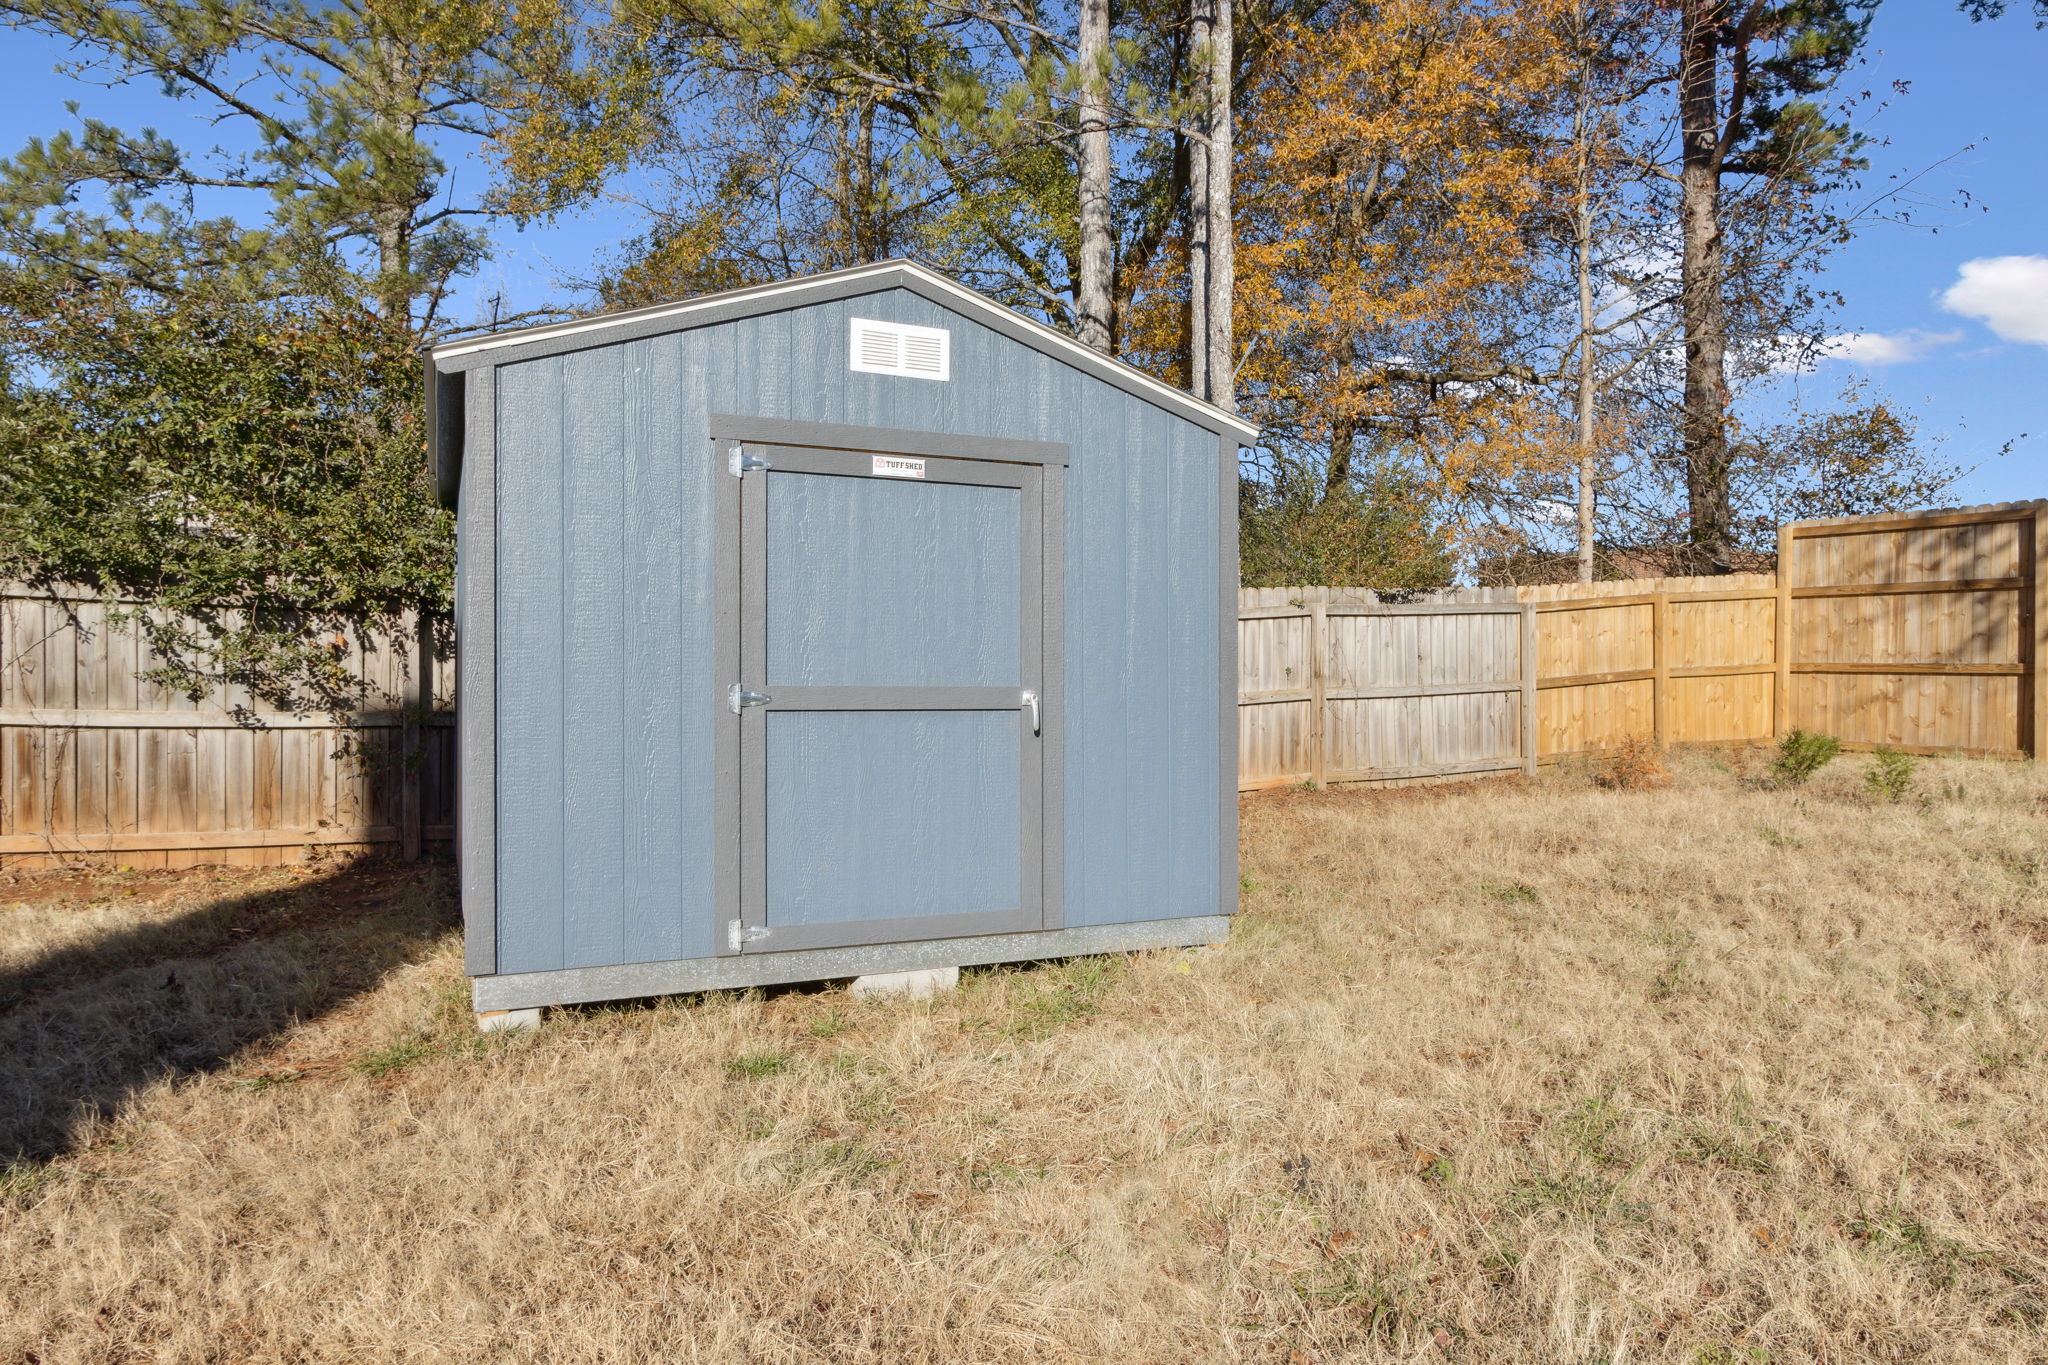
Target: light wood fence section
1924, 633
94, 759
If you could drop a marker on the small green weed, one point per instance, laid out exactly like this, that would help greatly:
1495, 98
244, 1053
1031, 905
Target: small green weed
1591, 1129
1051, 998
758, 1066
20, 1179
1801, 754
390, 1060
1892, 1229
850, 1159
1509, 893
1707, 1146
872, 1104
2024, 867
1776, 837
987, 1175
1577, 1192
1677, 978
1935, 999
1890, 776
1345, 1283
828, 1025
266, 1080
1731, 1355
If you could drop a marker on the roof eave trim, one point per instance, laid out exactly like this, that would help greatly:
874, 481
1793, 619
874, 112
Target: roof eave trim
1208, 414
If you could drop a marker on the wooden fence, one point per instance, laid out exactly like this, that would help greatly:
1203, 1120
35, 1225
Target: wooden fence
1924, 633
95, 759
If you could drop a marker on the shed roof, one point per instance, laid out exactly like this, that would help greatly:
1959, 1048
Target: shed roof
524, 343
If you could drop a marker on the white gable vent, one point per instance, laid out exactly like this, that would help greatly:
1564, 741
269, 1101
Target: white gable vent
899, 348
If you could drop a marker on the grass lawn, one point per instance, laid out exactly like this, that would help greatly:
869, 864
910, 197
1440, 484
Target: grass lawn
1517, 1071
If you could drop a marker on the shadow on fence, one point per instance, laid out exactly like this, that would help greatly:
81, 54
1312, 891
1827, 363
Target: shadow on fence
85, 1027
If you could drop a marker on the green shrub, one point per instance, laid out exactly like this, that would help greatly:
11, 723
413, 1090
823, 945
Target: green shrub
1802, 753
1891, 773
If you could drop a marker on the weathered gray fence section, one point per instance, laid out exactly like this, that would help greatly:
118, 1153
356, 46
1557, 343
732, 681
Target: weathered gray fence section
1343, 685
95, 759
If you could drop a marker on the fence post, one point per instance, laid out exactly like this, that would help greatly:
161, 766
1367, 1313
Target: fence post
412, 752
2034, 610
1318, 651
1660, 669
1528, 679
1781, 644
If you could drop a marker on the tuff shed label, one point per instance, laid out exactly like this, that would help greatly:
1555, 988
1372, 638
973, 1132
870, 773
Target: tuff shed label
892, 467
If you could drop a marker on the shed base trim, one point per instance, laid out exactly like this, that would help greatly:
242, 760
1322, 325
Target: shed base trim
585, 985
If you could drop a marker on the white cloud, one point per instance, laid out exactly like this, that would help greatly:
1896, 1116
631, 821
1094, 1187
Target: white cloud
1880, 348
2009, 294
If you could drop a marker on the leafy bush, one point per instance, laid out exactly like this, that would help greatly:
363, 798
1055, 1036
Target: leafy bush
255, 471
1802, 753
1891, 774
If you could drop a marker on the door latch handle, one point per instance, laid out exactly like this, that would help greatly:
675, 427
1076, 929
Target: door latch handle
739, 699
1030, 703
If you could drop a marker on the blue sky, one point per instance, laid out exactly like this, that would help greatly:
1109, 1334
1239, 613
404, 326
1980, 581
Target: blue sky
1949, 318
1960, 360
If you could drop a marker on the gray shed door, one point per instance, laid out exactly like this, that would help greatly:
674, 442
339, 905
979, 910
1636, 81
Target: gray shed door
891, 616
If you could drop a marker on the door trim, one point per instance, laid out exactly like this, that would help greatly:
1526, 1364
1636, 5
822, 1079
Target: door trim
728, 434
779, 431
1028, 913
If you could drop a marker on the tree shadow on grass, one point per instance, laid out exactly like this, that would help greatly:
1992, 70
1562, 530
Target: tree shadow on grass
86, 1026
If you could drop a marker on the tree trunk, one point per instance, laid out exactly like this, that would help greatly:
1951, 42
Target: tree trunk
1343, 444
393, 218
1098, 250
867, 237
1704, 422
1588, 395
1222, 281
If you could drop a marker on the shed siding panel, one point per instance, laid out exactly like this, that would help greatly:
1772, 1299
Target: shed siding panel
593, 679
667, 654
531, 703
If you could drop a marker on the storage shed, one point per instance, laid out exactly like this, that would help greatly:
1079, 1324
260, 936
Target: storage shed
848, 625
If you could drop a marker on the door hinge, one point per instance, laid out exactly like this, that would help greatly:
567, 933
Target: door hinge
741, 462
738, 934
739, 699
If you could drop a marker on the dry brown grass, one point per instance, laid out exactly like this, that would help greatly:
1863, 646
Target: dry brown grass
1517, 1072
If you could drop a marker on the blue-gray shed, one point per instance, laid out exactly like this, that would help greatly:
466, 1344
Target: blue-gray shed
846, 625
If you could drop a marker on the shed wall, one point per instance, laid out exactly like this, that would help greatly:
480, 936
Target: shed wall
606, 691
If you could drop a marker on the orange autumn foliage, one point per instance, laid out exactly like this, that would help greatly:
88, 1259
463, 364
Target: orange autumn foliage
1392, 168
